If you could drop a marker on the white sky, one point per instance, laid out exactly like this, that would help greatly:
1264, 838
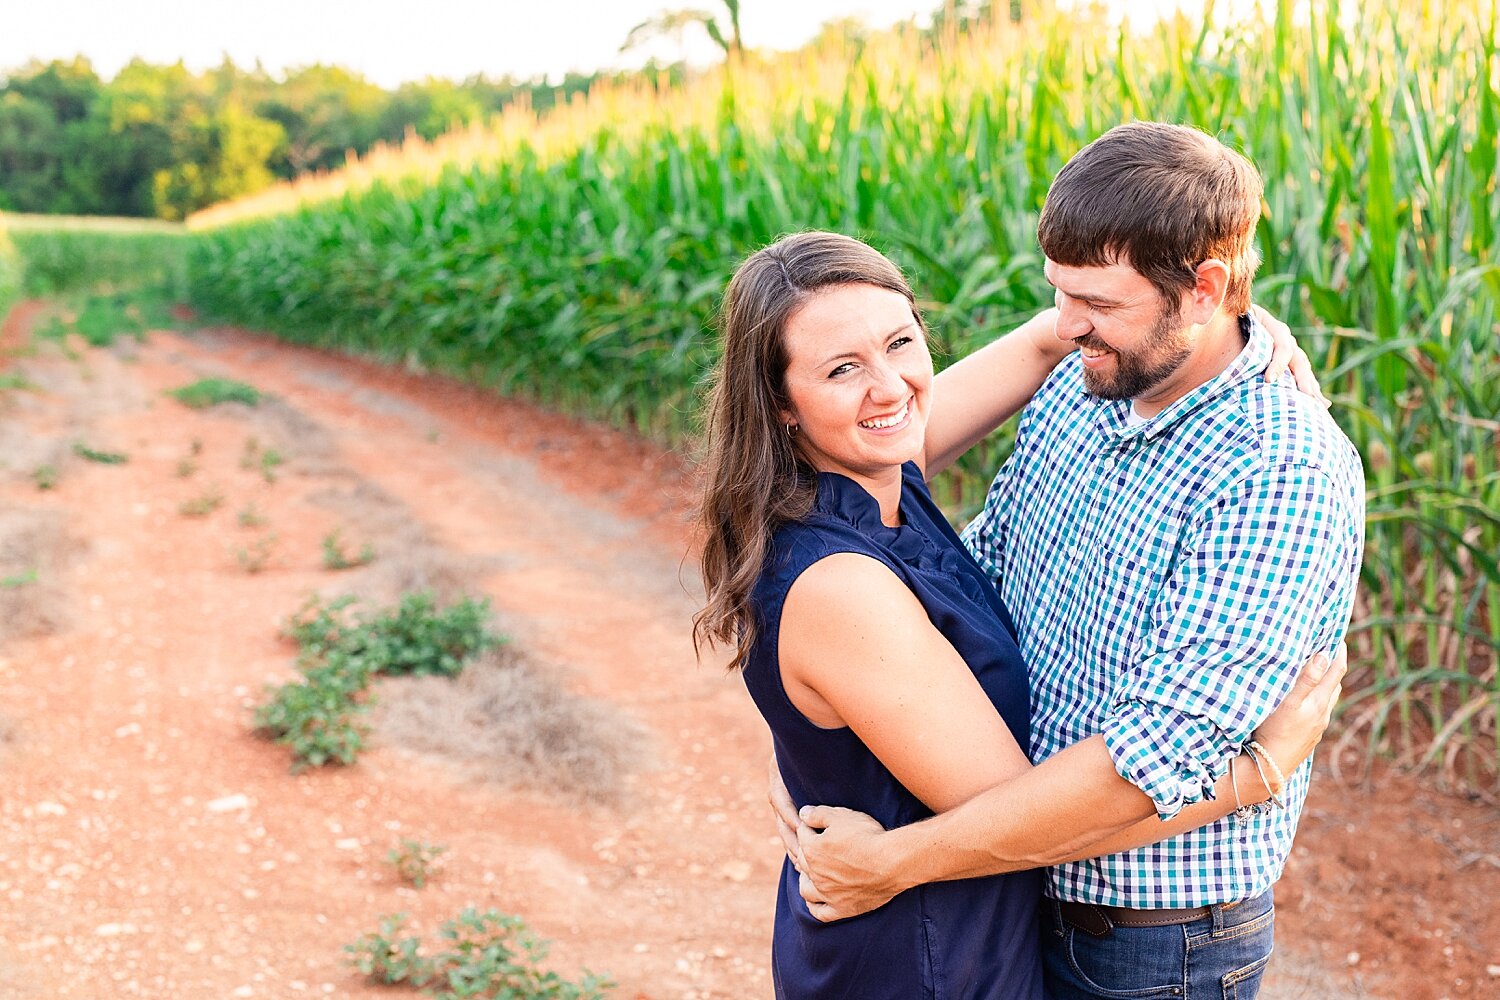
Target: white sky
391, 40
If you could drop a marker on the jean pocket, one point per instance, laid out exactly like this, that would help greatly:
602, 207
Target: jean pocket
1128, 964
1244, 984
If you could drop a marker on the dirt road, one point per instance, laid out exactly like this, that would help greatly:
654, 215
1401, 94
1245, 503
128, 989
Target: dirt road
150, 846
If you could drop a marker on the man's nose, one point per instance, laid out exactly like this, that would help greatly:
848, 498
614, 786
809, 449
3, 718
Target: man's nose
1072, 321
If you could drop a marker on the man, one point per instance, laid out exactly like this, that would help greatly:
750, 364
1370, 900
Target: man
1174, 537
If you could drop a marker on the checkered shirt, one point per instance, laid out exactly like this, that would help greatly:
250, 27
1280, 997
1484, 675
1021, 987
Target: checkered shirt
1168, 579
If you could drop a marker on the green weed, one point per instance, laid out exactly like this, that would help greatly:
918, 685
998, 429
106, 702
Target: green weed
340, 651
266, 460
45, 477
479, 954
21, 579
415, 861
336, 557
202, 505
250, 517
208, 392
103, 457
254, 558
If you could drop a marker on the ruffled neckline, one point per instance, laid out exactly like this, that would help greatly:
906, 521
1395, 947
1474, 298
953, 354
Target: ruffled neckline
910, 542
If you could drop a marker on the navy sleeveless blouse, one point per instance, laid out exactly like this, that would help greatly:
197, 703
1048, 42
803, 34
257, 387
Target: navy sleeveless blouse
974, 939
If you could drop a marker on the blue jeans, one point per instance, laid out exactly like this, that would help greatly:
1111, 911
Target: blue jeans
1218, 957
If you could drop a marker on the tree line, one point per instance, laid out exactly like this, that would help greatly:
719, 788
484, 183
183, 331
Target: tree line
161, 141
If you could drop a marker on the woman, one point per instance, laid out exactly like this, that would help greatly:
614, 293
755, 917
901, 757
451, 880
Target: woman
822, 430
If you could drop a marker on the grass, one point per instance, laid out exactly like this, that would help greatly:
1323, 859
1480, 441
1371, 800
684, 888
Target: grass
68, 254
96, 455
264, 460
34, 551
337, 557
256, 556
477, 954
208, 392
507, 722
341, 651
250, 516
416, 862
22, 579
202, 505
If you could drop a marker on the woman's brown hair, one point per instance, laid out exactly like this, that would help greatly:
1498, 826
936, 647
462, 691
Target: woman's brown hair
754, 478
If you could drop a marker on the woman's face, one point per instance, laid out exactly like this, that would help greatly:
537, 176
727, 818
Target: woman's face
859, 380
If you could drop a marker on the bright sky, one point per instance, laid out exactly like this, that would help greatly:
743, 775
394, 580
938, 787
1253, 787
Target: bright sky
393, 40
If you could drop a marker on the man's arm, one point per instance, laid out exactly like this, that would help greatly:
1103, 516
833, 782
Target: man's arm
1251, 599
851, 865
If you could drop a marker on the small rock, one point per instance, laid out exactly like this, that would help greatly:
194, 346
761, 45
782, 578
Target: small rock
114, 930
735, 871
243, 991
1352, 958
1493, 970
229, 803
347, 844
51, 809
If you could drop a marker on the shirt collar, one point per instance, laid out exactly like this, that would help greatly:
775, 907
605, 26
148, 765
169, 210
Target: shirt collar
1111, 415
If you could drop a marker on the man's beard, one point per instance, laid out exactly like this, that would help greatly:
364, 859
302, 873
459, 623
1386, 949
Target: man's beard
1142, 370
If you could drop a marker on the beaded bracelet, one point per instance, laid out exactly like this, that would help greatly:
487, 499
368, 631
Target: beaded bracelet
1259, 753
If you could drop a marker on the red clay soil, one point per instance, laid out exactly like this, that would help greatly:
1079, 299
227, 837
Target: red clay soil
150, 846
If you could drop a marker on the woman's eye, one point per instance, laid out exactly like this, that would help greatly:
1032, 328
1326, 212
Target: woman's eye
899, 343
841, 369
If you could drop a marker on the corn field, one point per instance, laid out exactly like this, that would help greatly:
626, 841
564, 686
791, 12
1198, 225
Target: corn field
577, 259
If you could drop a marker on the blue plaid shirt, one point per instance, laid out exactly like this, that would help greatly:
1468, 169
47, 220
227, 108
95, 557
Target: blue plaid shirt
1168, 579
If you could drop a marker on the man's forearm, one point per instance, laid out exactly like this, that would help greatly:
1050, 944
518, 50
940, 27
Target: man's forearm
1050, 814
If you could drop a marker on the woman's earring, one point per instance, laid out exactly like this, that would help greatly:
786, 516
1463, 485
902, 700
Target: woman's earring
791, 430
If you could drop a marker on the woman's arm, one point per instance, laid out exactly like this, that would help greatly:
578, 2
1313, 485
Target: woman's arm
857, 649
974, 396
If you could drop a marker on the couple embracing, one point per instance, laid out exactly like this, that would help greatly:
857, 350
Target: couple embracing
1063, 756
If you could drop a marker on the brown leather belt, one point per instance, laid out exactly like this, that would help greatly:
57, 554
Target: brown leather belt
1100, 920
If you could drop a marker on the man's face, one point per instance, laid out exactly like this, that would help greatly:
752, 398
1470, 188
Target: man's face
1128, 340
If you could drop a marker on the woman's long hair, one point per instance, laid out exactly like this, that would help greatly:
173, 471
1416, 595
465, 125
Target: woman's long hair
754, 478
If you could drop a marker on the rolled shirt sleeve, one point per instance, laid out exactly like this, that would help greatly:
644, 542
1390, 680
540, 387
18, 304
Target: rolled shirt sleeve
1255, 593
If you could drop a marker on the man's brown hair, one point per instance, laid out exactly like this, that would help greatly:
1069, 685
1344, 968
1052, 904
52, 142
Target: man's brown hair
1162, 199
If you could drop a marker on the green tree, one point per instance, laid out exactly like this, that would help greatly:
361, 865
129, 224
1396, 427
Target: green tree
324, 112
45, 138
432, 107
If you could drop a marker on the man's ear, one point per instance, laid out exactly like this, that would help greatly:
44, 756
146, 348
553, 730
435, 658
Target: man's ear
1208, 291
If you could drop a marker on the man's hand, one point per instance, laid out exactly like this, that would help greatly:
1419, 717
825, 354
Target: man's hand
844, 871
786, 814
